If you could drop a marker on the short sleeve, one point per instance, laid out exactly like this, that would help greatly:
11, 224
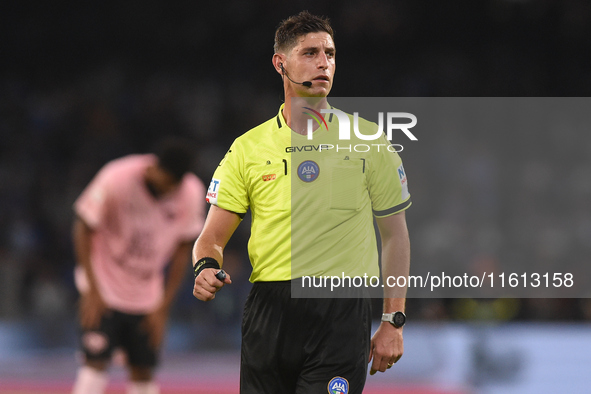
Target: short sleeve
91, 205
387, 182
227, 189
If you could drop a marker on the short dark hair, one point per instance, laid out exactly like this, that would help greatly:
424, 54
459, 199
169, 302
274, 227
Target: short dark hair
175, 156
298, 25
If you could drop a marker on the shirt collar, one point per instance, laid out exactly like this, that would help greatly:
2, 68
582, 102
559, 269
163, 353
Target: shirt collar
281, 120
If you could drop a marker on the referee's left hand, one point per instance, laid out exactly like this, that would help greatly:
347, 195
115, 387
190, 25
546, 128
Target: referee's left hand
386, 347
206, 284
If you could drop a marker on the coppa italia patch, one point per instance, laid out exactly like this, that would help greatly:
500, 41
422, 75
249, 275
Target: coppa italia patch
403, 182
308, 171
338, 385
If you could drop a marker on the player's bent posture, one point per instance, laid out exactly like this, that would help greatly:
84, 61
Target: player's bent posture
139, 213
312, 215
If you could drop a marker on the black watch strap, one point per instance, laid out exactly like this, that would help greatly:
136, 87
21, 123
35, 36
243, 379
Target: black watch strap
206, 262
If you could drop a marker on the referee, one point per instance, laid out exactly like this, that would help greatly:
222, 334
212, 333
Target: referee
312, 210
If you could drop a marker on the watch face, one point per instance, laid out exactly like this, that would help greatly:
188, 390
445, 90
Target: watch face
399, 319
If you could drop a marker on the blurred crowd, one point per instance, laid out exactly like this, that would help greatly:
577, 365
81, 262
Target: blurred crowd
82, 83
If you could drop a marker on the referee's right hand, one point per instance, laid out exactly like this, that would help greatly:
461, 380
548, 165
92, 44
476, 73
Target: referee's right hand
206, 284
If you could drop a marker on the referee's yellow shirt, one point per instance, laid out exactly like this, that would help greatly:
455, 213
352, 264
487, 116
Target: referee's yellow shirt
312, 201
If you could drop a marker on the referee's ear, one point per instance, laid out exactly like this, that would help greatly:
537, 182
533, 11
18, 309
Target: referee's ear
278, 60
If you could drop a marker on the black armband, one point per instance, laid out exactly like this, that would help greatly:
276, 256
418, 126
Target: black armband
206, 262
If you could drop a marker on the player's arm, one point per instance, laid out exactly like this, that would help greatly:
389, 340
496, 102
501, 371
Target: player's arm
156, 321
219, 227
176, 273
387, 344
92, 306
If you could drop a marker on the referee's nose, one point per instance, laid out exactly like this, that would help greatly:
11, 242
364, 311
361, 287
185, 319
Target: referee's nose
322, 61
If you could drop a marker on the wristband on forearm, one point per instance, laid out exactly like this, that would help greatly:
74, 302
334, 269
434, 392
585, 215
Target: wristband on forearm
206, 262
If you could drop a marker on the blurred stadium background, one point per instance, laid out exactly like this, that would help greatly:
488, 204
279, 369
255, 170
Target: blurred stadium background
82, 83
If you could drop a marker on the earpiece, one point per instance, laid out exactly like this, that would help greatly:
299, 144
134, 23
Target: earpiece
305, 83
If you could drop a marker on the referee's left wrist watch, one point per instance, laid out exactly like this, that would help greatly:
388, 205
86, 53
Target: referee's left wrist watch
397, 319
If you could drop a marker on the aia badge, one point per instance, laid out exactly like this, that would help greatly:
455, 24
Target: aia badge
338, 385
308, 171
270, 177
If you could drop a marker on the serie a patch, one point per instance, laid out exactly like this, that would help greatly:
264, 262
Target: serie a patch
213, 191
338, 385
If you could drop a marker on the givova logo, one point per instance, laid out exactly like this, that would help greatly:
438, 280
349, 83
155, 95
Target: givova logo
338, 385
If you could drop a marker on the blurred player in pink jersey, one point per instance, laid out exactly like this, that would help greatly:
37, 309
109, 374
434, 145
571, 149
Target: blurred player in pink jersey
139, 213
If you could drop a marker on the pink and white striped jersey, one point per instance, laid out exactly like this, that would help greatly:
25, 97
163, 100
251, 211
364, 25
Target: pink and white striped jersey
135, 234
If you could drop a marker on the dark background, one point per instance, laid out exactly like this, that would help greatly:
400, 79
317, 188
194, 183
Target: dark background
82, 83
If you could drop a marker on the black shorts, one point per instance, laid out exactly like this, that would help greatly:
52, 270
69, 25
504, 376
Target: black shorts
121, 330
303, 345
